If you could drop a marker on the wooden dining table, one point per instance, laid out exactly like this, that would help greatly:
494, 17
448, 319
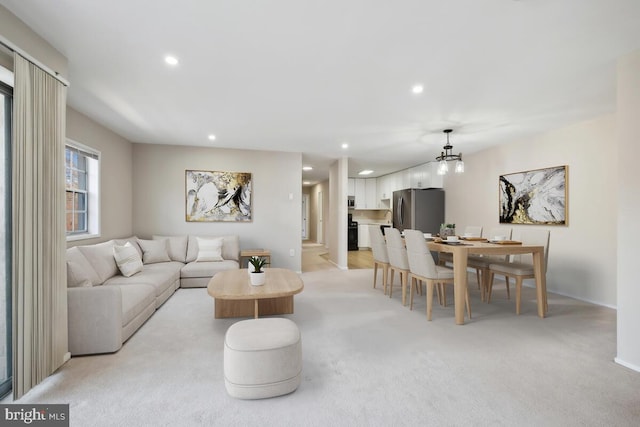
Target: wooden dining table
461, 252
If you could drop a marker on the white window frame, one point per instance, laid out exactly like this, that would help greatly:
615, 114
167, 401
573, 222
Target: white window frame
93, 190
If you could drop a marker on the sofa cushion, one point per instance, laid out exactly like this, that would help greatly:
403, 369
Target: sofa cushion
154, 251
135, 298
100, 256
209, 249
177, 247
207, 268
161, 276
230, 247
127, 259
134, 242
79, 270
77, 276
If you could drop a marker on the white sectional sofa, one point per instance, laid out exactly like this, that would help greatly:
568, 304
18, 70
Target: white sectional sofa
105, 307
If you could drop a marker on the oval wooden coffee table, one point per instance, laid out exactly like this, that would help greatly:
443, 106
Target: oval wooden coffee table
234, 295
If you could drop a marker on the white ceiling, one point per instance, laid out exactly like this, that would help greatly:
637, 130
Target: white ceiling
305, 76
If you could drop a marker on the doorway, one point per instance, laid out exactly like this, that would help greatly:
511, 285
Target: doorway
320, 224
305, 216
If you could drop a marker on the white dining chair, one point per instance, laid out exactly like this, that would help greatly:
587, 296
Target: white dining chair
423, 268
380, 256
520, 267
481, 262
397, 261
445, 257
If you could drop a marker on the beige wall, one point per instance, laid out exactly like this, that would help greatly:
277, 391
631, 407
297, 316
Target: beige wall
20, 36
159, 196
628, 206
116, 178
582, 255
315, 192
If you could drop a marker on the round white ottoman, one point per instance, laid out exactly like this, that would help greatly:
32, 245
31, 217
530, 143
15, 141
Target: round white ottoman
262, 358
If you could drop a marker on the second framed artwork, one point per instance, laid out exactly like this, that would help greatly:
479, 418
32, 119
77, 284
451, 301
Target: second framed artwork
534, 197
218, 196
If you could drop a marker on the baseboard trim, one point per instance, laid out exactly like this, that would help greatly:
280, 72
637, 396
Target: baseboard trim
626, 364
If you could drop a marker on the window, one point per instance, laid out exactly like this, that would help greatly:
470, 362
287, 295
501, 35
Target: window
82, 191
6, 109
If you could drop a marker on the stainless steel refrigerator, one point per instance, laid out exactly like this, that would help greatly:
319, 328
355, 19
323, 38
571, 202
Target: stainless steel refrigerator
418, 209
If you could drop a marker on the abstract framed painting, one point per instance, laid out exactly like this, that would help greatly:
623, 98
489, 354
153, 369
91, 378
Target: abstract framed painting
218, 196
534, 197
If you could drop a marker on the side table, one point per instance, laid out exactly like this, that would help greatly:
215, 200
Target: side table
248, 253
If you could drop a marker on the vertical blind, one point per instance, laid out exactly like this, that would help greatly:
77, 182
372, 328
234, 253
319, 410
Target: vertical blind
38, 211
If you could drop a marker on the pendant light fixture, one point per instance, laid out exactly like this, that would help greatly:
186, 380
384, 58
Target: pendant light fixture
447, 156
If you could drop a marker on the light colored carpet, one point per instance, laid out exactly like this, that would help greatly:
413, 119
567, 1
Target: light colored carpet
368, 361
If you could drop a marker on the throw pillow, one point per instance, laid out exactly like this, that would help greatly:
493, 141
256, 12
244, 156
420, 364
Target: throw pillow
76, 276
209, 250
154, 251
100, 256
127, 259
177, 246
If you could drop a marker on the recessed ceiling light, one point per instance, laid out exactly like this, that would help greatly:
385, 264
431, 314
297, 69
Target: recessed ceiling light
211, 137
345, 145
306, 182
365, 172
417, 88
171, 60
307, 168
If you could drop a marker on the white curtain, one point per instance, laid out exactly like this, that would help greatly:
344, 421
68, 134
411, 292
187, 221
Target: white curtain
38, 191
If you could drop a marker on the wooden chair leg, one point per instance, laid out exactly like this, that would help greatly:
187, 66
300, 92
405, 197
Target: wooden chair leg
466, 298
403, 279
385, 273
518, 293
413, 282
506, 281
444, 294
375, 273
429, 298
391, 274
478, 277
491, 274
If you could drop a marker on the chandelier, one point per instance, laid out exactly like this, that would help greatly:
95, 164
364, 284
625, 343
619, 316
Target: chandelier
447, 156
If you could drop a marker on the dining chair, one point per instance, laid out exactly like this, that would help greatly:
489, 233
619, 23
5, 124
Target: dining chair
520, 267
445, 257
481, 262
397, 261
423, 268
380, 256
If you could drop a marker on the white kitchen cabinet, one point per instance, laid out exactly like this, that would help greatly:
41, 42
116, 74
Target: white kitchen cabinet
361, 193
416, 177
366, 193
425, 176
431, 171
351, 187
371, 194
364, 240
384, 187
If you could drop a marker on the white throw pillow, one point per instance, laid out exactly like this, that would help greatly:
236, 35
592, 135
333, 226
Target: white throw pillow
209, 250
128, 259
154, 251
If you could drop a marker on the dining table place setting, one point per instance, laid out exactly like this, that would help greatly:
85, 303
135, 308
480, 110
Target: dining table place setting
473, 239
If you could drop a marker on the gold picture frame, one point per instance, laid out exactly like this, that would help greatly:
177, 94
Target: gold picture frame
536, 196
212, 196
